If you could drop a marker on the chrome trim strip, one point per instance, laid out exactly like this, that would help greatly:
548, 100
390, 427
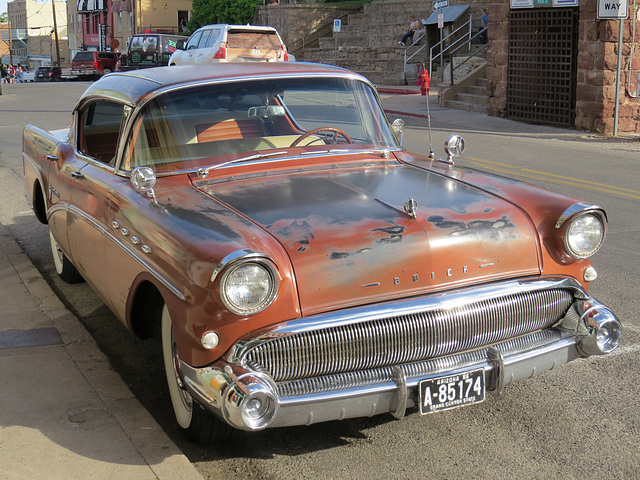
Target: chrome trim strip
116, 240
579, 208
233, 257
297, 170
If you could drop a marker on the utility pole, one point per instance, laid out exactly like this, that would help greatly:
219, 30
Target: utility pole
10, 45
55, 34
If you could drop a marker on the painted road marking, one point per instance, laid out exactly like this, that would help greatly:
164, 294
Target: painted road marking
554, 178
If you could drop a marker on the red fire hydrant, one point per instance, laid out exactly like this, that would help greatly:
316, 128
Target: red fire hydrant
424, 81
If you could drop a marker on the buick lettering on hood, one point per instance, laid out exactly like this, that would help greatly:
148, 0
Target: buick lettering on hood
296, 262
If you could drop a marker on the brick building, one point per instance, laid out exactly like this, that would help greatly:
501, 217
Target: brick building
557, 65
108, 24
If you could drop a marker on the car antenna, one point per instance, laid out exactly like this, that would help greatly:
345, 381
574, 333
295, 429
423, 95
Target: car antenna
424, 89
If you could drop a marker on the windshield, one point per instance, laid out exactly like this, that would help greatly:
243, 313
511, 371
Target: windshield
201, 126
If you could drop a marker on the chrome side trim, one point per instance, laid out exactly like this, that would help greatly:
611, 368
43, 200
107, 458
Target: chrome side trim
116, 240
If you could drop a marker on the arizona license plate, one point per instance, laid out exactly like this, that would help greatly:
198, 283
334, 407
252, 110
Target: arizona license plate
451, 391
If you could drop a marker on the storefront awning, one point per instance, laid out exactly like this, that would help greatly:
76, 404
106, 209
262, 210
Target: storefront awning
451, 14
122, 6
91, 6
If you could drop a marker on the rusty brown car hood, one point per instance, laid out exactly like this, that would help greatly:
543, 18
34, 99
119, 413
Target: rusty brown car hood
351, 242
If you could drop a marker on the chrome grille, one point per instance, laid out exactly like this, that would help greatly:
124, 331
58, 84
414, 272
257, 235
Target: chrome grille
408, 338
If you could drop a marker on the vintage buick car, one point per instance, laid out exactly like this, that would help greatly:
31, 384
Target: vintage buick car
297, 263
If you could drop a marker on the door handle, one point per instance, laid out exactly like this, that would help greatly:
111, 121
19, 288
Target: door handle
51, 158
77, 175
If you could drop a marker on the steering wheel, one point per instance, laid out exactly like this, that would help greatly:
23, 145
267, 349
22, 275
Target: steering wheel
336, 132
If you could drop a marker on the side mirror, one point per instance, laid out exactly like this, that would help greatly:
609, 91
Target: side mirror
143, 180
397, 127
180, 45
453, 147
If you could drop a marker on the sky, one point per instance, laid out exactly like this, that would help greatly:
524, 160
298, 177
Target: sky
3, 5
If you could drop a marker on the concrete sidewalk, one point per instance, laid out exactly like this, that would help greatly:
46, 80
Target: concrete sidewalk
64, 413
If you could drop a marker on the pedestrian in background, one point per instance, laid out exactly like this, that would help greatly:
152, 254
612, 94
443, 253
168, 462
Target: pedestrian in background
19, 74
484, 20
413, 26
11, 73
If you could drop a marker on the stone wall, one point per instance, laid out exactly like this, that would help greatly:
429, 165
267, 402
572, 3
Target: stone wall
596, 68
295, 22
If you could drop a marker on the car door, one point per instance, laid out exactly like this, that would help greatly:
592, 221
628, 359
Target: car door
62, 168
191, 49
92, 194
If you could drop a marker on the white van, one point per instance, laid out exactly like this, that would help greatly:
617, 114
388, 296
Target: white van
231, 43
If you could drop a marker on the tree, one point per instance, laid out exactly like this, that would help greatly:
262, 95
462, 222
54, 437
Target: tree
207, 12
4, 17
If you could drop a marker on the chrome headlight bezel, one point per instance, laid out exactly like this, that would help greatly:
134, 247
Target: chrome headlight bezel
583, 230
258, 270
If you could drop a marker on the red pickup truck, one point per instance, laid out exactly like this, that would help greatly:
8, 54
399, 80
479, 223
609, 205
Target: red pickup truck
94, 64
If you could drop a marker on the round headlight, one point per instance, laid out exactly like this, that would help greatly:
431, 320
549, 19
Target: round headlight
248, 287
584, 235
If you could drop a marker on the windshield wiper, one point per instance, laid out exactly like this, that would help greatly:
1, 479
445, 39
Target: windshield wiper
203, 172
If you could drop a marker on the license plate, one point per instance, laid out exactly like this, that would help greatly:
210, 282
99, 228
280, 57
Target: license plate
451, 391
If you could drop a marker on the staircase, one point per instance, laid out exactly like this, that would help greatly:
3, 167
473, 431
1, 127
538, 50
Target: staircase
470, 93
368, 41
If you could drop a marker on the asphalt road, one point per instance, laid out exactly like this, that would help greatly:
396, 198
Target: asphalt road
581, 421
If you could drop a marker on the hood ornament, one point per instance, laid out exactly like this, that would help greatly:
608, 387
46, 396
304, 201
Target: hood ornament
410, 206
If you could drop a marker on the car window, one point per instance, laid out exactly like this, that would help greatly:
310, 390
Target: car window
193, 41
99, 129
259, 40
213, 38
206, 125
202, 43
169, 44
83, 56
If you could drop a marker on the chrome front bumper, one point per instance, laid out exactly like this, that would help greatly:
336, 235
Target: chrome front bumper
251, 400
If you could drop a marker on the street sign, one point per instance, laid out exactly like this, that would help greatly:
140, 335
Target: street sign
438, 4
337, 24
608, 9
440, 20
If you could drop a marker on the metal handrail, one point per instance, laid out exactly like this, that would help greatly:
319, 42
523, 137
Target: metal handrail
484, 47
413, 44
466, 38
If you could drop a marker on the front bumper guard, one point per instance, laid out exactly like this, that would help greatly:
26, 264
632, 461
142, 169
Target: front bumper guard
250, 400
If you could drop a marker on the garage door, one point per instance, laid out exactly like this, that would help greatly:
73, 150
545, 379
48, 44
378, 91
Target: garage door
543, 51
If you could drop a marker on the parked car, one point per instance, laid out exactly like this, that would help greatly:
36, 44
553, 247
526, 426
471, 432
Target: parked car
297, 263
28, 76
149, 50
231, 43
89, 64
48, 74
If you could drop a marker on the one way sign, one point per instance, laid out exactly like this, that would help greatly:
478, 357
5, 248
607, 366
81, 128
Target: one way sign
608, 9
